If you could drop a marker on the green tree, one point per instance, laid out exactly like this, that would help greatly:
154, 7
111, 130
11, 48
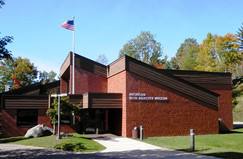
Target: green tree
237, 90
4, 53
46, 77
66, 108
238, 69
205, 59
1, 3
165, 63
230, 51
144, 48
173, 64
240, 37
218, 53
17, 72
187, 53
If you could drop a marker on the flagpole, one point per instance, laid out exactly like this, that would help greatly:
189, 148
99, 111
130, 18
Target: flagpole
73, 71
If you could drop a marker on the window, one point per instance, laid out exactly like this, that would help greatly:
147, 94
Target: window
65, 119
27, 117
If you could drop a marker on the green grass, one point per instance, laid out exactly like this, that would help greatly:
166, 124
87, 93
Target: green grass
76, 142
220, 145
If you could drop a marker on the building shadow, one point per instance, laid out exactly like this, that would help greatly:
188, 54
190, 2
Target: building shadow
12, 139
137, 154
227, 155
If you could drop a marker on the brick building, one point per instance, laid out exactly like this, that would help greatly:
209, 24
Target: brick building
129, 93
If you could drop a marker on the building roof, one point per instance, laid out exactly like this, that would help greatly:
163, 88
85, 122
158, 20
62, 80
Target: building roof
35, 89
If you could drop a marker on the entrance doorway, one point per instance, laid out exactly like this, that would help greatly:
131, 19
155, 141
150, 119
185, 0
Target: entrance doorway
100, 121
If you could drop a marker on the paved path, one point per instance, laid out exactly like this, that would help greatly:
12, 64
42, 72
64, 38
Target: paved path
117, 148
120, 147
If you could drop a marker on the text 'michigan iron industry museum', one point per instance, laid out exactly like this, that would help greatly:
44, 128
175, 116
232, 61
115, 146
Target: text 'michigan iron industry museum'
125, 94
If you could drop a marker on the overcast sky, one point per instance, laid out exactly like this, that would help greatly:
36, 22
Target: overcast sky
104, 26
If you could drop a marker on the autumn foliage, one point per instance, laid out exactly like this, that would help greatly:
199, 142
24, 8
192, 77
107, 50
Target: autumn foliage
16, 73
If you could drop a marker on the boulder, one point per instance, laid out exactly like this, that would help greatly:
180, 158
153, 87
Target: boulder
39, 131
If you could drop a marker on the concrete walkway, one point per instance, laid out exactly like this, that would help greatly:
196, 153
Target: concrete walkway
120, 147
117, 148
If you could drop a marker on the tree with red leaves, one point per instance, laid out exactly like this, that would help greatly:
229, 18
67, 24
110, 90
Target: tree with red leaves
16, 73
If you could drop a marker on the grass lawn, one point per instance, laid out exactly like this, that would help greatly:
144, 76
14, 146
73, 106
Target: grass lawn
228, 146
76, 142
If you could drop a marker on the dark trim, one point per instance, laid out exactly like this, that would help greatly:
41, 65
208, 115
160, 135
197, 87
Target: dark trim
24, 102
102, 100
90, 65
34, 87
189, 72
70, 60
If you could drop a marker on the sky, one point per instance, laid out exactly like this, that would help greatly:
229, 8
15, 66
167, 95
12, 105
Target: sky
104, 26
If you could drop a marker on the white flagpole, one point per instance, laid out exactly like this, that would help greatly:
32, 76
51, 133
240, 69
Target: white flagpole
73, 62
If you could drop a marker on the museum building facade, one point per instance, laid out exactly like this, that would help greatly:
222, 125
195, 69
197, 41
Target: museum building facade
129, 93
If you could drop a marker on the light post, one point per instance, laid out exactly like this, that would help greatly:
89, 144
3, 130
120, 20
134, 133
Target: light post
59, 121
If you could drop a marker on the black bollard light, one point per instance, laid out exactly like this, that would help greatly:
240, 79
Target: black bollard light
192, 141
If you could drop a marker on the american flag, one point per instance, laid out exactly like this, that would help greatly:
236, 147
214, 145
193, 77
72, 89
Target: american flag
69, 24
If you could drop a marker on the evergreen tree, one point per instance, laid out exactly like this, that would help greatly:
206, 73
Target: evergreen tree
240, 37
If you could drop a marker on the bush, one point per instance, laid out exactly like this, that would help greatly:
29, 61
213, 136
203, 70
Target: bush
71, 147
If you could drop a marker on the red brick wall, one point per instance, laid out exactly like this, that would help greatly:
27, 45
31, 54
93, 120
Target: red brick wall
63, 86
88, 82
10, 128
160, 118
117, 84
225, 102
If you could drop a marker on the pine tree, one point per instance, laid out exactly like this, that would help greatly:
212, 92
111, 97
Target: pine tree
240, 37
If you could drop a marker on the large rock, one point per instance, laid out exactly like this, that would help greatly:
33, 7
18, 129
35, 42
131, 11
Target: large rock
39, 131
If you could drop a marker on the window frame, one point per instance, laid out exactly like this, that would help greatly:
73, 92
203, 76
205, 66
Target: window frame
32, 114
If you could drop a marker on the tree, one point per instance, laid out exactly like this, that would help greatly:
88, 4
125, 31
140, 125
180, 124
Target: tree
144, 48
187, 53
4, 53
205, 59
240, 37
1, 3
218, 53
45, 77
173, 64
237, 90
65, 109
17, 72
102, 59
230, 51
238, 70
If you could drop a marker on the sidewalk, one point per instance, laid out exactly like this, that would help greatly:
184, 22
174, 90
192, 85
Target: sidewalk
122, 147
